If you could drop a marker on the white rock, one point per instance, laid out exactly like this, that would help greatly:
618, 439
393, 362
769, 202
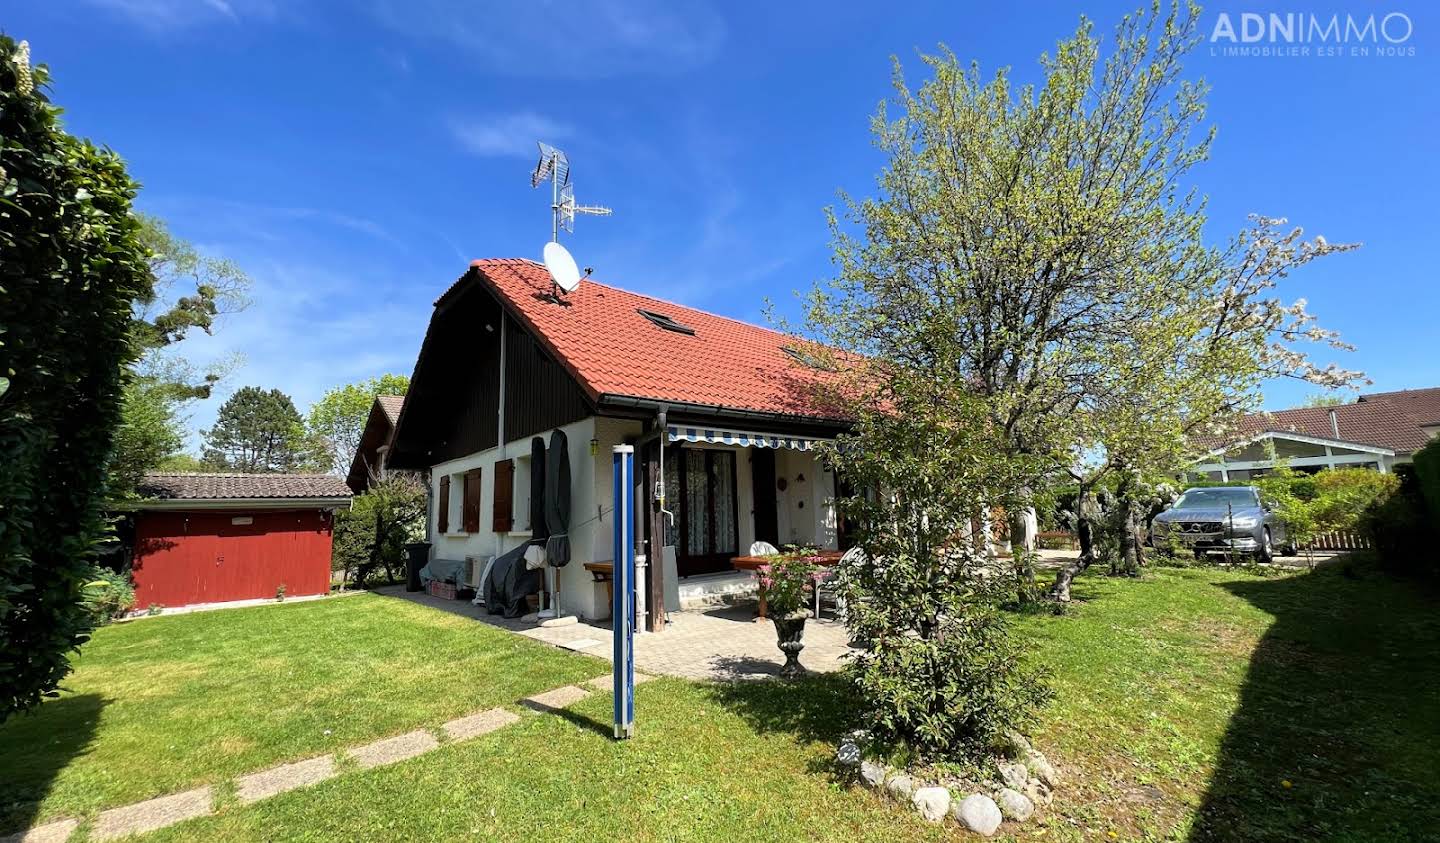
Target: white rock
1015, 805
979, 813
1041, 768
1038, 792
900, 786
1014, 775
1017, 743
933, 803
871, 773
848, 753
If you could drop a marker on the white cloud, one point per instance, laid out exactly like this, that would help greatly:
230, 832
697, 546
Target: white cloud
164, 15
507, 134
564, 39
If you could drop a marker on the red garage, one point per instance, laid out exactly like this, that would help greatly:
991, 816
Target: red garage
211, 538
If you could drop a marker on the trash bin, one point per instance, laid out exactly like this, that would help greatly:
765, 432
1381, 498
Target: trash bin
417, 555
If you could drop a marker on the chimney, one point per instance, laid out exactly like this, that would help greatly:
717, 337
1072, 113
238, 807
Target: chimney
1334, 423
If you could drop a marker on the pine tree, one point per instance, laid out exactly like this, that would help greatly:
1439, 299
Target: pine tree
258, 431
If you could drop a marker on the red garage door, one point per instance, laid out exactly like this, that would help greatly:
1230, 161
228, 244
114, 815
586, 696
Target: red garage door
208, 557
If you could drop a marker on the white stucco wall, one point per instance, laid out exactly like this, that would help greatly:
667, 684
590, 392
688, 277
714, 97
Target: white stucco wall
591, 514
577, 586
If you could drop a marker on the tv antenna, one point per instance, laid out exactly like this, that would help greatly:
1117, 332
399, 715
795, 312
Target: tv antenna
554, 166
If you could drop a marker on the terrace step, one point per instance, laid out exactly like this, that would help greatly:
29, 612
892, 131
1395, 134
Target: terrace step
710, 590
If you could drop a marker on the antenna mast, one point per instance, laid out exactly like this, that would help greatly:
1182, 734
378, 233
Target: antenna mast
555, 166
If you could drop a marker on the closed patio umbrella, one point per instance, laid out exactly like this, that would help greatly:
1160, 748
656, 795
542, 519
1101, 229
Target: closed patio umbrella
539, 529
557, 507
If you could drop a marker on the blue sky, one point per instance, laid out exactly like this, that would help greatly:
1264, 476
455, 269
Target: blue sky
353, 157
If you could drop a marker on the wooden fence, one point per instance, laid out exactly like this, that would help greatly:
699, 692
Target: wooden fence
1342, 540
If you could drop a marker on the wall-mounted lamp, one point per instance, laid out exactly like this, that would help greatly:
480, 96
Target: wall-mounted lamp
594, 447
801, 478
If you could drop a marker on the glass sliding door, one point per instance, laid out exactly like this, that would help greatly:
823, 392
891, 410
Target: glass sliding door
703, 484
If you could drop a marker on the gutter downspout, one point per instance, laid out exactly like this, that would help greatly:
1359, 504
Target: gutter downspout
500, 428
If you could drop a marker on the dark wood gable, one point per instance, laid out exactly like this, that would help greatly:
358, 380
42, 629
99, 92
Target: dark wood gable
541, 394
452, 407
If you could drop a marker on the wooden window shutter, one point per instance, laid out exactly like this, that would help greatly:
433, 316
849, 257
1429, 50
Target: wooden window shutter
444, 506
504, 516
471, 509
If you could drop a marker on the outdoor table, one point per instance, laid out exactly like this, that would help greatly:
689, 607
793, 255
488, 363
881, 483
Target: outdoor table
604, 572
827, 558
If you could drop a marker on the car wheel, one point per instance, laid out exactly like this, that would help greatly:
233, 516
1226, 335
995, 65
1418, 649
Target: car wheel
1267, 553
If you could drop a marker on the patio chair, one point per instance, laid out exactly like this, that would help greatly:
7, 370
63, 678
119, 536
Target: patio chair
763, 549
826, 588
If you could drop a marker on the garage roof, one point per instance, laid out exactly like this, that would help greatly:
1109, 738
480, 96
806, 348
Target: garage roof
198, 487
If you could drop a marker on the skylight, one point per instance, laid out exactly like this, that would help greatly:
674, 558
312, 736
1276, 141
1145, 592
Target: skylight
663, 321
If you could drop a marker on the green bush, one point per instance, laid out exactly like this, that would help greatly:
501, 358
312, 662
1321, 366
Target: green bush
371, 535
71, 272
108, 596
1401, 529
1427, 477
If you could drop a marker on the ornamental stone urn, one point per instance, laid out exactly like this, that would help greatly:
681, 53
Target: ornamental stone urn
789, 634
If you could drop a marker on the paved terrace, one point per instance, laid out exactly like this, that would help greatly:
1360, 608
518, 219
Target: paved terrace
721, 643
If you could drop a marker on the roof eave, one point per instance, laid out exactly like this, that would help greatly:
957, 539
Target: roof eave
173, 504
618, 401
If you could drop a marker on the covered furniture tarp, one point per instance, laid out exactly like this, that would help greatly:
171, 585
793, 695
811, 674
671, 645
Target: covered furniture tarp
442, 570
509, 583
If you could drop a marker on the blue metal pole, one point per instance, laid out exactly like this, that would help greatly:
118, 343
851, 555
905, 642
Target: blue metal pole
622, 607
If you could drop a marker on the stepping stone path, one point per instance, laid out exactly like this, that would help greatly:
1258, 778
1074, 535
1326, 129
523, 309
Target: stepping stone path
154, 814
390, 750
565, 695
475, 725
276, 780
55, 832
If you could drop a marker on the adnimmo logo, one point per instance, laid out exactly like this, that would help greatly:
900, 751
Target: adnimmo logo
1305, 35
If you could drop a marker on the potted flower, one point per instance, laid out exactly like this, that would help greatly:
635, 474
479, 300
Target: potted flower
787, 583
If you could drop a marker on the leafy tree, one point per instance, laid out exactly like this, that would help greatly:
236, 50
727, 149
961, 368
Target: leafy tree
338, 418
191, 291
149, 433
259, 431
1323, 399
371, 535
1039, 247
73, 270
939, 672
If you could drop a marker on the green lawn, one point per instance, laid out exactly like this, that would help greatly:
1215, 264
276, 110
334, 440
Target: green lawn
1184, 703
161, 704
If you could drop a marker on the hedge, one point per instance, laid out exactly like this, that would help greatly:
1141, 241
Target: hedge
72, 270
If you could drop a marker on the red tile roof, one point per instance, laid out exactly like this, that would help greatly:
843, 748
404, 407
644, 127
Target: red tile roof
231, 486
391, 405
612, 350
1423, 404
1379, 423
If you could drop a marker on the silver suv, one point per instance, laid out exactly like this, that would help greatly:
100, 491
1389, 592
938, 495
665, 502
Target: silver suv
1220, 520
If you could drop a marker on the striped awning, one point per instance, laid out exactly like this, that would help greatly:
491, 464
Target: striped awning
744, 439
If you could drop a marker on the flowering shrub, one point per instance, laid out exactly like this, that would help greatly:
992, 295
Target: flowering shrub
789, 582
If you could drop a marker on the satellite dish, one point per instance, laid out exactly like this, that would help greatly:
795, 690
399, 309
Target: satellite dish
562, 267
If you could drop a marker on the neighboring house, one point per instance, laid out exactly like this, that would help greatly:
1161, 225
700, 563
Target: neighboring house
1378, 431
376, 439
1423, 405
210, 538
505, 360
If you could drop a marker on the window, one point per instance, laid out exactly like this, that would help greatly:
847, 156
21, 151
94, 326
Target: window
470, 509
669, 324
502, 506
